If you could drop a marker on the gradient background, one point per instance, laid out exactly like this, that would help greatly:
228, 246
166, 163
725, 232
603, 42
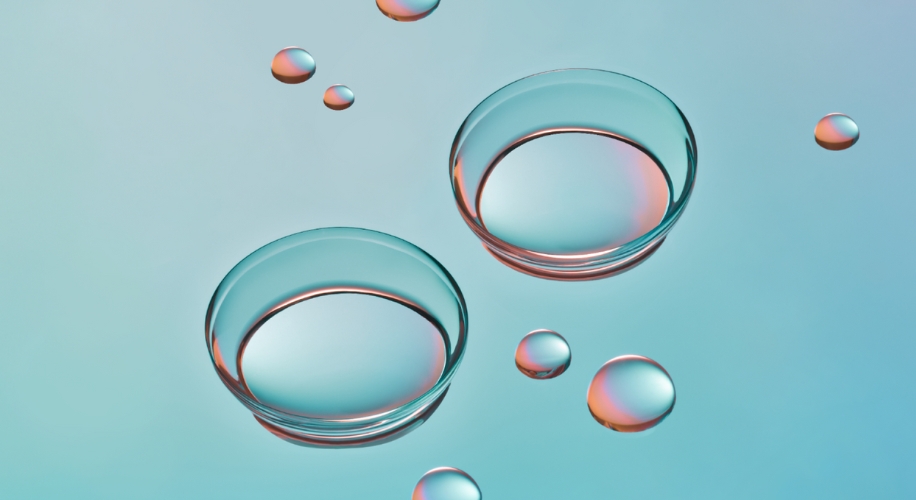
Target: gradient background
146, 149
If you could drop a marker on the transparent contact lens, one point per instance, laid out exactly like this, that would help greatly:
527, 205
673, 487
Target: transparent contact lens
631, 394
836, 132
573, 174
407, 10
338, 336
338, 97
446, 483
543, 354
292, 65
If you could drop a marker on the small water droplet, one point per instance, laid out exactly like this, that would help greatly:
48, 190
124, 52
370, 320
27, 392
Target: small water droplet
543, 354
631, 394
407, 10
338, 337
573, 174
338, 97
293, 65
446, 483
836, 132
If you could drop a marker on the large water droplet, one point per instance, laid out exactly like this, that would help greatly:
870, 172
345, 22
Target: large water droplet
836, 132
631, 394
338, 337
338, 97
446, 483
543, 354
293, 65
573, 174
407, 10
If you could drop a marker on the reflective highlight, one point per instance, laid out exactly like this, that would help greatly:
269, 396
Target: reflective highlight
407, 10
543, 354
446, 483
573, 193
338, 336
836, 132
573, 174
292, 65
631, 394
338, 97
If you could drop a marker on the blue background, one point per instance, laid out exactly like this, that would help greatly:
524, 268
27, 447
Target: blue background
145, 149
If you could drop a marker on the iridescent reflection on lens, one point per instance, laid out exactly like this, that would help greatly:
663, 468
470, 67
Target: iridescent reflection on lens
446, 483
338, 97
543, 354
292, 65
407, 10
836, 132
631, 394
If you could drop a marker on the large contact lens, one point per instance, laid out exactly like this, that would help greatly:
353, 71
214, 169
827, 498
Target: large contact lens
338, 337
573, 174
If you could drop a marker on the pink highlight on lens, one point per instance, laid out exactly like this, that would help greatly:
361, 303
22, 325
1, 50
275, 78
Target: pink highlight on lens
631, 394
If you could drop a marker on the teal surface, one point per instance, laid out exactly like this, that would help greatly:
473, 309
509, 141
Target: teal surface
145, 149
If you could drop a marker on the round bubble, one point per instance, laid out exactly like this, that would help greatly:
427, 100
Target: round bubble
338, 97
338, 337
543, 354
293, 65
631, 394
573, 174
446, 483
407, 10
836, 132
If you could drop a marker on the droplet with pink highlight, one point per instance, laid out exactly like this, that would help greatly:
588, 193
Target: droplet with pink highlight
338, 97
631, 394
543, 354
407, 10
836, 132
446, 483
292, 65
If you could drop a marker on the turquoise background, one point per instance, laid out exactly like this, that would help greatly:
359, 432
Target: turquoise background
145, 149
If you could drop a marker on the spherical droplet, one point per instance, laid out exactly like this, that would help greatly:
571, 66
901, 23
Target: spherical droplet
338, 97
407, 10
446, 483
631, 394
543, 354
292, 65
836, 132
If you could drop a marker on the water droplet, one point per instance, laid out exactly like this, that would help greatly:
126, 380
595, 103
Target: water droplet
631, 394
836, 132
573, 174
338, 97
293, 65
446, 483
338, 337
407, 10
543, 354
